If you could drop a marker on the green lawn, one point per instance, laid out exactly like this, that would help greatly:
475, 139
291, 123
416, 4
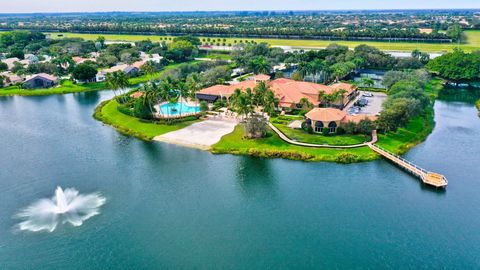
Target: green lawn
472, 42
274, 147
107, 112
65, 87
316, 138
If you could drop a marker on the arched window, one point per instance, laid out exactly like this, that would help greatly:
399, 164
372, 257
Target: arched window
319, 126
333, 127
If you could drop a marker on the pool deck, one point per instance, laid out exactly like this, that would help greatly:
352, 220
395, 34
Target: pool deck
200, 135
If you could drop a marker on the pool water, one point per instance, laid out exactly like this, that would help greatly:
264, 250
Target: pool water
178, 108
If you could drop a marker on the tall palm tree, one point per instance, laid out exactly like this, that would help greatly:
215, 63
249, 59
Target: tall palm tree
117, 80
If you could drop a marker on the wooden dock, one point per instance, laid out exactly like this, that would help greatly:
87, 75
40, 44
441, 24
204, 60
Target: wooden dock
429, 178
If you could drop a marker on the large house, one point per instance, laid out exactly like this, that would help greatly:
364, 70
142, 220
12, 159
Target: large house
289, 92
331, 118
128, 69
41, 80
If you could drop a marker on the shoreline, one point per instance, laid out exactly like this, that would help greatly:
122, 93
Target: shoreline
272, 146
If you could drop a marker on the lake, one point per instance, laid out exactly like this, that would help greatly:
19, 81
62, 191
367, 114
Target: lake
171, 207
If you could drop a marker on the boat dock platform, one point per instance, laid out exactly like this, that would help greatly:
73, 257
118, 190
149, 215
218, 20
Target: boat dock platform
429, 178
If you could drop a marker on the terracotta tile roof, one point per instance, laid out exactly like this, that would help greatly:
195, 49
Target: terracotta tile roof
326, 114
136, 95
261, 77
357, 118
43, 75
227, 90
139, 64
346, 86
289, 92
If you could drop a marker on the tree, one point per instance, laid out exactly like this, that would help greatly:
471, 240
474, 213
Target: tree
117, 80
260, 65
256, 126
141, 109
368, 82
2, 81
149, 68
84, 72
365, 127
297, 76
456, 66
3, 66
455, 32
203, 106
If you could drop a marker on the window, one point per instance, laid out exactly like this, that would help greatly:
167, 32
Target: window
333, 127
318, 126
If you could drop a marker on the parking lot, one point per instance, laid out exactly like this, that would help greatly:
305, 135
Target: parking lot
373, 107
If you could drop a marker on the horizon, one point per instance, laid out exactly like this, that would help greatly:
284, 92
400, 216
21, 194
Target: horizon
240, 10
146, 6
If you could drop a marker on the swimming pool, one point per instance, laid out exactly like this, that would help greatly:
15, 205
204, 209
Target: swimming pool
176, 109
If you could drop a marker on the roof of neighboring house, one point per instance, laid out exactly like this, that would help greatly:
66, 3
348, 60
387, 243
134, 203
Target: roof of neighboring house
79, 60
139, 64
44, 76
10, 61
123, 67
326, 114
136, 95
11, 77
261, 77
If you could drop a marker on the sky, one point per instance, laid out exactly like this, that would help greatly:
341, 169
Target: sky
29, 6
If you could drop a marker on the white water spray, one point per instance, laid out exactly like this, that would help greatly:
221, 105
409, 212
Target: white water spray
65, 207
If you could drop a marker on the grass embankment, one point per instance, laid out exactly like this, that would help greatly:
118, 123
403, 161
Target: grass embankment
472, 42
108, 113
299, 135
274, 147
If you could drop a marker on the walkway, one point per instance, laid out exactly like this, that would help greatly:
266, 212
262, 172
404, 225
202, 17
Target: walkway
429, 178
200, 135
290, 141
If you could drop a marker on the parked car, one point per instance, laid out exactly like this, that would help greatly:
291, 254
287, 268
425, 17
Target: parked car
367, 94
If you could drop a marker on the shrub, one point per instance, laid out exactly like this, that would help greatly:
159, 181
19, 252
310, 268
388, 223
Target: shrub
347, 158
325, 131
203, 106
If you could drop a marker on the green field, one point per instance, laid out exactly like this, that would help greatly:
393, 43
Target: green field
472, 42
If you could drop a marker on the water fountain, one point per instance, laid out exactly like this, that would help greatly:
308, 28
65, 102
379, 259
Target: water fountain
66, 206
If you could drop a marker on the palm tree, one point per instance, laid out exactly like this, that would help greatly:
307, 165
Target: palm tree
117, 80
260, 65
149, 69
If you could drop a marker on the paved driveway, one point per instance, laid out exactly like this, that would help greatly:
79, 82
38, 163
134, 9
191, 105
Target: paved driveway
200, 135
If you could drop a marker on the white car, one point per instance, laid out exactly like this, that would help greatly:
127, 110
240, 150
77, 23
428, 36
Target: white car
367, 94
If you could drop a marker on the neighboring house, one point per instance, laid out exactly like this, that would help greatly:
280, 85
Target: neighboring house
155, 57
289, 92
41, 80
11, 78
31, 58
128, 69
80, 60
331, 118
10, 62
